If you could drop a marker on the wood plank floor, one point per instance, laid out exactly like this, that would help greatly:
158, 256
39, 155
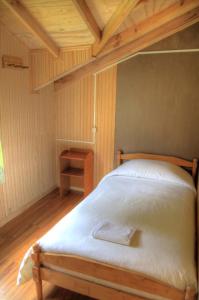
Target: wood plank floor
19, 234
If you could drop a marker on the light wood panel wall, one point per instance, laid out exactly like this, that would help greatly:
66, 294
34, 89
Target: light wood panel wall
75, 113
74, 108
74, 118
28, 127
45, 68
2, 206
27, 135
105, 122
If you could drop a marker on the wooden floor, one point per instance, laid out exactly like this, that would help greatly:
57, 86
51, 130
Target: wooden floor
19, 234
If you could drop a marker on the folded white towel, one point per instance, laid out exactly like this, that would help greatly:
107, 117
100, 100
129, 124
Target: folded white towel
115, 233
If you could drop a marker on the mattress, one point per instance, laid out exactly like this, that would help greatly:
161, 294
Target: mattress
162, 208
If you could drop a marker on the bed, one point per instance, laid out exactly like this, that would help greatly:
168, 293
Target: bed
153, 193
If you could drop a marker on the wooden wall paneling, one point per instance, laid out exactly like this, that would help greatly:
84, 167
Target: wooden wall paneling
74, 107
25, 115
105, 122
2, 206
27, 134
70, 119
45, 68
74, 119
2, 201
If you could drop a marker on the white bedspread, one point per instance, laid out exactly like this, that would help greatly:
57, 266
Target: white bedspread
163, 213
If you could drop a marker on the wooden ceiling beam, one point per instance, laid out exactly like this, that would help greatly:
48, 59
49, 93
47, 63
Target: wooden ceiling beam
88, 18
136, 31
29, 21
114, 23
156, 34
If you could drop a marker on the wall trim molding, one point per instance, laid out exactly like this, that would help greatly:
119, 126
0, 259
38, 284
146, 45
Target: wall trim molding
74, 141
152, 52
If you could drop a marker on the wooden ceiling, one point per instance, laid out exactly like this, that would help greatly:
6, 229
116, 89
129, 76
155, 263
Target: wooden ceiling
106, 25
62, 21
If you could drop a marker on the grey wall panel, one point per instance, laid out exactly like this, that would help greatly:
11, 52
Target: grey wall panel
157, 109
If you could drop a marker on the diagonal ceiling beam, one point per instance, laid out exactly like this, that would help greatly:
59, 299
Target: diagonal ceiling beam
29, 21
88, 18
161, 26
114, 23
135, 32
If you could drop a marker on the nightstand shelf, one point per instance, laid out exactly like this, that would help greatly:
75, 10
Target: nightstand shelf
76, 163
74, 155
77, 172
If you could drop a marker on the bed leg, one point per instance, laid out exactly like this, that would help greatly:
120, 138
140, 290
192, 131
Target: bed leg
36, 272
190, 293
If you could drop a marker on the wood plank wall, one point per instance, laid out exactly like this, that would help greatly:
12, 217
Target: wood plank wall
74, 109
28, 123
75, 118
105, 122
27, 134
45, 67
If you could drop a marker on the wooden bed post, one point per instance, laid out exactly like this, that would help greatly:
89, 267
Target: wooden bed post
36, 271
119, 152
194, 168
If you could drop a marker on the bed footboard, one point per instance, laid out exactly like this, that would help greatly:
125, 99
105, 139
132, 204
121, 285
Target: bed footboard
105, 272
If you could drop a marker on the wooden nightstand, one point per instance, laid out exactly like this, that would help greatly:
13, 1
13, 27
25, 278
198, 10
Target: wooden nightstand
76, 163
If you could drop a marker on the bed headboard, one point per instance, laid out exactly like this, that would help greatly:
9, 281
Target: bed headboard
172, 159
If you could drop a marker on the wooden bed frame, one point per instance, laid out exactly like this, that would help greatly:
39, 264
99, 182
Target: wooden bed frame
103, 271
